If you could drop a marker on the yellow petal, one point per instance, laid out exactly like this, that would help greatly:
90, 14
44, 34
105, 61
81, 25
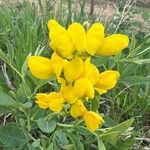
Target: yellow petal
78, 36
95, 38
92, 120
74, 69
90, 71
113, 44
84, 88
55, 101
40, 67
53, 23
68, 94
101, 91
59, 39
77, 109
54, 28
42, 101
58, 64
107, 80
61, 80
62, 45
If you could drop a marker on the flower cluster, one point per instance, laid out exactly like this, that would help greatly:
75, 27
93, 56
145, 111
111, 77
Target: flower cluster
71, 65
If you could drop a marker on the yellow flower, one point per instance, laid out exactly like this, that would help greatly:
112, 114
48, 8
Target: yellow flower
78, 109
40, 67
84, 88
90, 41
54, 27
78, 36
90, 71
55, 101
65, 42
61, 80
58, 64
92, 120
95, 38
113, 44
60, 41
42, 101
68, 93
74, 69
106, 81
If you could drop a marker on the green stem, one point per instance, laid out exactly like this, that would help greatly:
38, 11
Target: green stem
16, 71
28, 119
65, 125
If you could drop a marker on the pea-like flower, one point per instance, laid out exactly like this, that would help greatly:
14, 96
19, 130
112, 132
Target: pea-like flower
106, 81
40, 67
75, 38
59, 39
53, 101
72, 68
44, 68
91, 119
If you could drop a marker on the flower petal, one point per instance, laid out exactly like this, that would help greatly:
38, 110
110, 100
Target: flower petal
58, 64
55, 101
54, 28
62, 46
90, 71
113, 44
41, 100
40, 67
84, 88
92, 120
107, 80
78, 36
74, 69
77, 109
95, 38
68, 94
59, 39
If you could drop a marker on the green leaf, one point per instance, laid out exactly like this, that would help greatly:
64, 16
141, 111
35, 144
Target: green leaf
28, 104
122, 127
6, 100
132, 43
68, 147
30, 147
37, 113
11, 136
51, 146
112, 135
46, 126
101, 145
61, 138
136, 80
95, 103
140, 61
75, 141
124, 144
36, 143
82, 130
4, 57
23, 91
143, 51
25, 66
